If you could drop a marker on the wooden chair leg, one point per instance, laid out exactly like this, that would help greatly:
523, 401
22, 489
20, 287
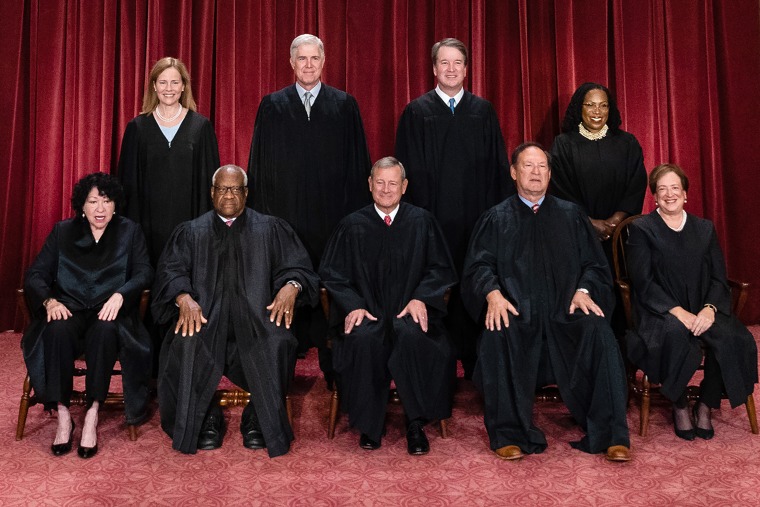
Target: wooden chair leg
444, 428
751, 414
289, 409
132, 429
23, 408
334, 404
644, 414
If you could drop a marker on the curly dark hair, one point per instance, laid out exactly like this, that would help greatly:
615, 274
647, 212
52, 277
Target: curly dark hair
107, 186
573, 114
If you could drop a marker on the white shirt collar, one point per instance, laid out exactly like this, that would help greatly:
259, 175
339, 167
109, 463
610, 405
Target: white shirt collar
314, 91
392, 214
225, 220
529, 203
445, 98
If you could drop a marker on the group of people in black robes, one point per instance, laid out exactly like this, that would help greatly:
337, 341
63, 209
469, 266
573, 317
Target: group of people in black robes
535, 291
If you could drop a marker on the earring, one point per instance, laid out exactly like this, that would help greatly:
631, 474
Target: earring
685, 201
82, 215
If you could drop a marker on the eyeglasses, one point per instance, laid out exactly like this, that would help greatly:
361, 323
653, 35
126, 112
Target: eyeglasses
234, 190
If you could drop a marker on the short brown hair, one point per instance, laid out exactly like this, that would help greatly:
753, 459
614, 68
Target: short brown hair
663, 169
450, 43
150, 98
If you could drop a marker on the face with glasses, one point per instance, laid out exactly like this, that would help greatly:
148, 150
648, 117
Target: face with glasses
595, 110
229, 194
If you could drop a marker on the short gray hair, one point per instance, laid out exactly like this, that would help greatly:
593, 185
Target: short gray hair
387, 163
233, 167
306, 38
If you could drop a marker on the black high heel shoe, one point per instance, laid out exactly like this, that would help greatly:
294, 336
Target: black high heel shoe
702, 433
684, 434
61, 449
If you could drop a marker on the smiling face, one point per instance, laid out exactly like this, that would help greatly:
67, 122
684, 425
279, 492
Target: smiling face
228, 193
669, 194
307, 64
387, 187
98, 209
169, 87
531, 173
595, 110
450, 70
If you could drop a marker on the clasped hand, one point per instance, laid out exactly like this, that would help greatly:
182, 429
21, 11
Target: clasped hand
698, 323
415, 308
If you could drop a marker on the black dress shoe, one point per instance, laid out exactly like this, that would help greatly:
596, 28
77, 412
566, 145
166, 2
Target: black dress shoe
87, 452
416, 441
253, 438
212, 431
684, 434
702, 433
367, 443
61, 449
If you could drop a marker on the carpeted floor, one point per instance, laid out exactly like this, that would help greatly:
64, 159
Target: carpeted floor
460, 470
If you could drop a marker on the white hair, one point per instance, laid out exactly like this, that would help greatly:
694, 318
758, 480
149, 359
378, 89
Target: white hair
306, 38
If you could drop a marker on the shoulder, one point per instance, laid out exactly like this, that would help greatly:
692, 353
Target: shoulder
360, 217
422, 104
477, 104
702, 225
196, 118
622, 137
281, 95
646, 222
566, 207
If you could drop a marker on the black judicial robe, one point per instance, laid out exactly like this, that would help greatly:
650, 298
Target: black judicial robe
538, 261
669, 269
311, 172
166, 185
370, 265
602, 177
457, 164
83, 274
267, 254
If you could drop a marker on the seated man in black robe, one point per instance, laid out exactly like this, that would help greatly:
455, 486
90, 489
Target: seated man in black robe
536, 275
309, 164
387, 269
228, 281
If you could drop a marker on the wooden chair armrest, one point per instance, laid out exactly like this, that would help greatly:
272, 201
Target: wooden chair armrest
739, 293
625, 296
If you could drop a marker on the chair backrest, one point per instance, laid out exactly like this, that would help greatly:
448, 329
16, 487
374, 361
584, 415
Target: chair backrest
620, 266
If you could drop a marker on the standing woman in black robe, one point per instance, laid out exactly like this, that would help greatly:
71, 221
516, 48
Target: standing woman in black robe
597, 165
681, 302
84, 290
168, 155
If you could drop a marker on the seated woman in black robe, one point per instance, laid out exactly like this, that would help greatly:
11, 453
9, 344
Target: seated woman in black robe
84, 289
681, 302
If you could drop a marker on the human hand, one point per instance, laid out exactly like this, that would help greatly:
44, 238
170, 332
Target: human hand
498, 311
111, 307
283, 305
418, 311
582, 301
702, 321
685, 317
56, 310
355, 318
190, 315
603, 228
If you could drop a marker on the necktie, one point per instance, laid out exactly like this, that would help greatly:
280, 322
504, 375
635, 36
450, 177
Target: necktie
229, 222
388, 220
307, 104
452, 103
535, 208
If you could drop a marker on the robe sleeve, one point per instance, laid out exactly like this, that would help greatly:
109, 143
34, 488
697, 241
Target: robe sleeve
564, 184
636, 185
439, 273
208, 163
256, 162
336, 268
173, 275
410, 142
595, 274
40, 278
291, 262
141, 274
356, 193
649, 294
480, 272
718, 292
128, 171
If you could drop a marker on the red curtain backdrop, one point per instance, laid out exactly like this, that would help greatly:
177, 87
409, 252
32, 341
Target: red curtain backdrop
685, 74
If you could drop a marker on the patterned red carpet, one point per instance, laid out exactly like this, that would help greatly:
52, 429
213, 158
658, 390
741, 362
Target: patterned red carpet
460, 470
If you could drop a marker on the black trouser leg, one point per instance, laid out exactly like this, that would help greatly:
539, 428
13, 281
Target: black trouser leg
100, 351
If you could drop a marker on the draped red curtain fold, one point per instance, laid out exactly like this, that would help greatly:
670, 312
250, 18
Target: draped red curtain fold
685, 74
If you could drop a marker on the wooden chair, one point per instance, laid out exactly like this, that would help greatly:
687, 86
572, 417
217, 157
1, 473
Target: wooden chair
324, 299
640, 386
77, 397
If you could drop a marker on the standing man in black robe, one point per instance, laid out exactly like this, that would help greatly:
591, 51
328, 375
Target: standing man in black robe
537, 277
228, 282
387, 269
309, 164
451, 143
